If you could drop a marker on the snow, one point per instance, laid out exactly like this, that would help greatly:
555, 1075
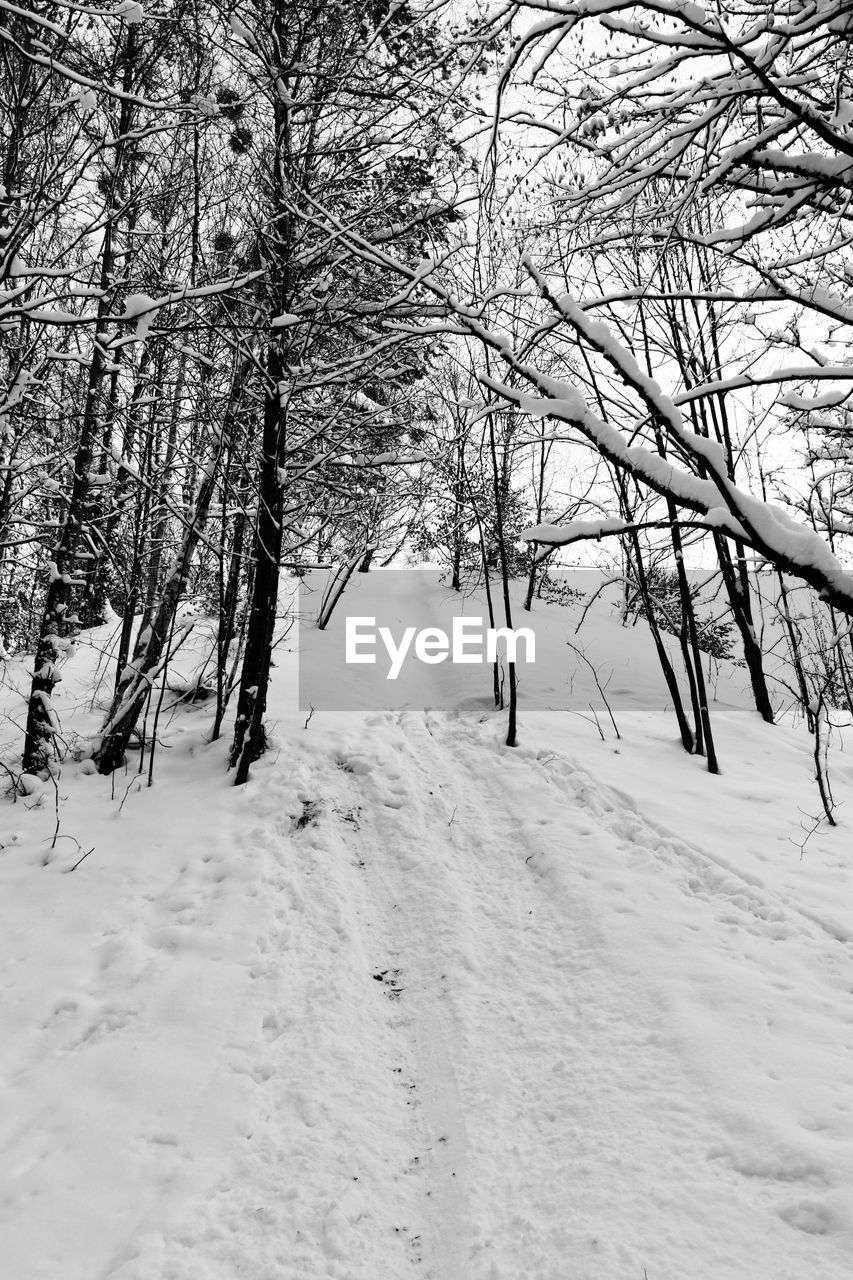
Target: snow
768, 529
131, 11
241, 31
206, 105
559, 535
141, 308
808, 404
392, 457
413, 1003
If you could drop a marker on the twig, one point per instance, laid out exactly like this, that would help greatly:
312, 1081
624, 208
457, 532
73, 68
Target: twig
821, 748
79, 860
284, 635
56, 809
155, 726
580, 653
135, 778
16, 781
594, 597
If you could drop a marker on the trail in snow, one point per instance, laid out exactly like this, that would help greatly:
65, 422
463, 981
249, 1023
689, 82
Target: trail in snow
497, 1016
413, 1004
414, 975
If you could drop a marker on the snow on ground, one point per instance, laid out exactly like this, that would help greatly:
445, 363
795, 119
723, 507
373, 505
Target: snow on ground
413, 1003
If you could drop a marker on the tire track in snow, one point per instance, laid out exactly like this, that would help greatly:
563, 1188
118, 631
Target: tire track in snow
389, 857
529, 982
483, 787
578, 1144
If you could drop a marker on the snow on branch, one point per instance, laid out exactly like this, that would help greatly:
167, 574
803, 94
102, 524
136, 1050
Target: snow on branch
52, 64
138, 307
392, 458
807, 404
566, 404
552, 536
795, 373
711, 494
768, 529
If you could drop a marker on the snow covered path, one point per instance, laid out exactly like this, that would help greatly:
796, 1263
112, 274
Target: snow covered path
505, 1029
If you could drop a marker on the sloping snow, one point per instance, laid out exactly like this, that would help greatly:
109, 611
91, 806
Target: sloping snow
413, 1003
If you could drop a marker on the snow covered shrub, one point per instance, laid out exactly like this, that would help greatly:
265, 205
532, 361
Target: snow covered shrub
556, 590
714, 635
826, 659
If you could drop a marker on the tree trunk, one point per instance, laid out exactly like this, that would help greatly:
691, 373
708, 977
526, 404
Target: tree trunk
153, 640
228, 620
666, 666
249, 739
69, 555
249, 736
738, 592
58, 621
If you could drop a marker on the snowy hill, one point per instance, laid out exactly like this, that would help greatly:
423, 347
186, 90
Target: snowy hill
415, 1004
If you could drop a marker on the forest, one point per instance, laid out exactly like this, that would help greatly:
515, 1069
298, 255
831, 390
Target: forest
365, 317
290, 285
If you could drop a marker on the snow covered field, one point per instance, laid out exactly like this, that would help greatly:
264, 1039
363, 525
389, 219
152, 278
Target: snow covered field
414, 1004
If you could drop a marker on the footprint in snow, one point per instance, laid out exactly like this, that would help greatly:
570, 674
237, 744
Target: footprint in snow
808, 1216
308, 817
390, 979
394, 801
359, 766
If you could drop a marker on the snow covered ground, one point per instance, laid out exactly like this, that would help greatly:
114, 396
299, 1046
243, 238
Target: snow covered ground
415, 1004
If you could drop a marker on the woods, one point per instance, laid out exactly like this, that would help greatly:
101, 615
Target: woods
426, 639
290, 284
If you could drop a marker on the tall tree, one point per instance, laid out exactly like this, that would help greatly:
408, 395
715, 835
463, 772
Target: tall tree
347, 119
